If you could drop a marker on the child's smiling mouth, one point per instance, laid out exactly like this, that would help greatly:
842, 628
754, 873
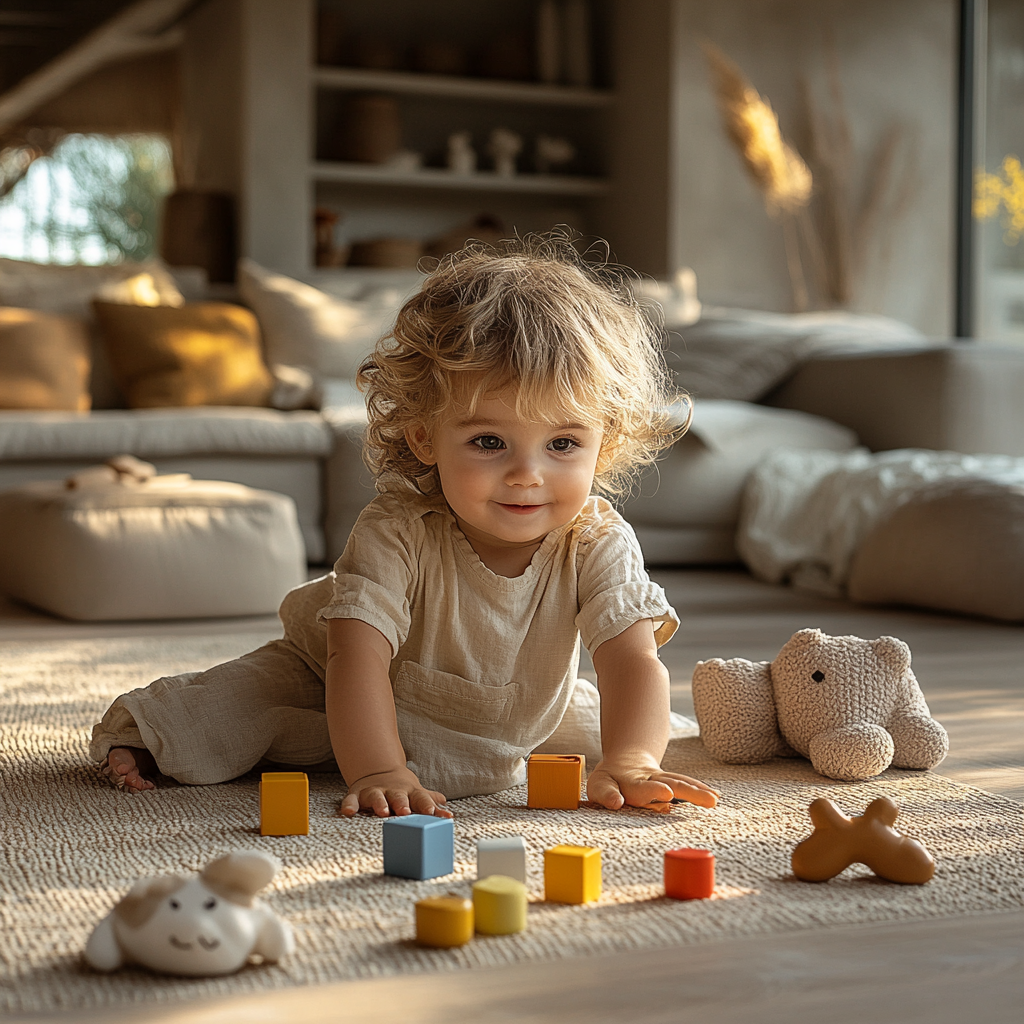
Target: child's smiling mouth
520, 509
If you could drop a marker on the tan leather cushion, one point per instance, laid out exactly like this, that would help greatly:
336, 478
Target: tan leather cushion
957, 546
44, 361
204, 353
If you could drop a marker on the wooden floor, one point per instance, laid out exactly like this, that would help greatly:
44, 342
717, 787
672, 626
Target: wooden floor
939, 972
968, 970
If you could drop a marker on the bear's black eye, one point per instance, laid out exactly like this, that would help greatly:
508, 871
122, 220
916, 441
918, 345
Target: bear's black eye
210, 904
175, 905
818, 677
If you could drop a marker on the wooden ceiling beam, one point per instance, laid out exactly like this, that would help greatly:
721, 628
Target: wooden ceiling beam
33, 19
139, 29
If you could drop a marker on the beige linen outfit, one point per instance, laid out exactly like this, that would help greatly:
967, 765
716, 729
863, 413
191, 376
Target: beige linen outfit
483, 670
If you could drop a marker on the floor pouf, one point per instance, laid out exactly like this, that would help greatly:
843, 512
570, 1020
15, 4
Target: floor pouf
160, 548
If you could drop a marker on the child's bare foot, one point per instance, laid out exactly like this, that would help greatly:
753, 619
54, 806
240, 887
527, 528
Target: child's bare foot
125, 766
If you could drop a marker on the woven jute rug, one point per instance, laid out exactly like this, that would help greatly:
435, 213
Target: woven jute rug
71, 846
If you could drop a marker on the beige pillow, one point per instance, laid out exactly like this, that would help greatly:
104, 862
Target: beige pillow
304, 326
69, 290
204, 353
44, 361
957, 546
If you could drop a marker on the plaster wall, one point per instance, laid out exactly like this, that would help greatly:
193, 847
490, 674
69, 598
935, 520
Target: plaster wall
634, 216
211, 60
898, 65
277, 42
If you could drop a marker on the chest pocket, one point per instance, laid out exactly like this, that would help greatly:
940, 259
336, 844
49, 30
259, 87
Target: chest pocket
451, 701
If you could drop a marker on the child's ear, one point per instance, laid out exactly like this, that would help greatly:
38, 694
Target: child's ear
419, 441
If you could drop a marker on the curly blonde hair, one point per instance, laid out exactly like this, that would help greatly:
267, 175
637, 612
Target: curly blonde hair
533, 315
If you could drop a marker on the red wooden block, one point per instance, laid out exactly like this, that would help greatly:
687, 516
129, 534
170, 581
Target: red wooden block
689, 874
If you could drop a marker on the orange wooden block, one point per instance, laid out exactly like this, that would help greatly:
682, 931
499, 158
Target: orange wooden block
555, 780
284, 804
689, 874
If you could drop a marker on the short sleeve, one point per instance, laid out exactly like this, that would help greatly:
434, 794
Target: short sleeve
376, 573
614, 588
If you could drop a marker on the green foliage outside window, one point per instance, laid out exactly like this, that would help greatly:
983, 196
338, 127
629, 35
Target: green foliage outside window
94, 199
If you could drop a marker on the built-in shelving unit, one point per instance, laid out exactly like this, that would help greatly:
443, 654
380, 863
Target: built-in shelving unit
411, 83
438, 178
426, 201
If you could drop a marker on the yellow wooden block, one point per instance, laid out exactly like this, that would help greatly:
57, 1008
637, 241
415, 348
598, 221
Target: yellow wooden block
444, 921
284, 804
572, 874
555, 780
499, 905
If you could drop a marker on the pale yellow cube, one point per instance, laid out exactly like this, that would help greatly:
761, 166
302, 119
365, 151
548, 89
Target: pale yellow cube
444, 921
572, 874
499, 904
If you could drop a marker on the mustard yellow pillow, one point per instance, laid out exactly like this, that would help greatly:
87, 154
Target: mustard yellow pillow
202, 353
44, 361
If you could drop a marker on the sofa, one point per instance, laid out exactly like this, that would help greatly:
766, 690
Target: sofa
759, 381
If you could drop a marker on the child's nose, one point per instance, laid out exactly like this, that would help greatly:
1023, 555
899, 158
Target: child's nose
524, 471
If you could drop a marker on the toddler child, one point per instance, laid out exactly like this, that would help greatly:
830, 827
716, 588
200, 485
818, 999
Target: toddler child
444, 647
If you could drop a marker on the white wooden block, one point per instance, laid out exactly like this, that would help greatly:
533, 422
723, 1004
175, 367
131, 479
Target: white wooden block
505, 856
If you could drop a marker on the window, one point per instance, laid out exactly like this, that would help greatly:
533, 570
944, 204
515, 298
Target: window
999, 177
94, 199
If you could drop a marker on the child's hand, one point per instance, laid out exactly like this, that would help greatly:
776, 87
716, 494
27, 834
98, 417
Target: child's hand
613, 784
397, 792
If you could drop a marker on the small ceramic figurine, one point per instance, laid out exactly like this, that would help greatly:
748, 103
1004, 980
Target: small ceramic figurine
504, 146
551, 151
201, 926
461, 155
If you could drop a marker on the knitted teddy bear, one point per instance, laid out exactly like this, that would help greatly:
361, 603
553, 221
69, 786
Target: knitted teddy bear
852, 706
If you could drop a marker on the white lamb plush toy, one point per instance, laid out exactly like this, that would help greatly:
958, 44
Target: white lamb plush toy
200, 926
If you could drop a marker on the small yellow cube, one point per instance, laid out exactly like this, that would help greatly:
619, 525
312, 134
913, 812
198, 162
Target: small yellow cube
444, 921
572, 874
499, 904
284, 804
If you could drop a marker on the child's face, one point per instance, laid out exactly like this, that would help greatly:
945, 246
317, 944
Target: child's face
510, 481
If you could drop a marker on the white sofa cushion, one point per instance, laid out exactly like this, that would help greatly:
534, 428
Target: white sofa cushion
686, 507
328, 335
742, 354
153, 433
69, 290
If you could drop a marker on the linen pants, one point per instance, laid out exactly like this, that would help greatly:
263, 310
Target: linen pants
267, 706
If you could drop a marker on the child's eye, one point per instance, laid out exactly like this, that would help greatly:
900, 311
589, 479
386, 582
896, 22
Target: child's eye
563, 444
488, 442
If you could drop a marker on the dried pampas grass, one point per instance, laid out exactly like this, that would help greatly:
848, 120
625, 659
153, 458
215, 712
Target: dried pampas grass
825, 217
778, 171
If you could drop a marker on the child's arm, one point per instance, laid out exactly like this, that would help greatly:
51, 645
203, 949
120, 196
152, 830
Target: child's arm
364, 730
634, 689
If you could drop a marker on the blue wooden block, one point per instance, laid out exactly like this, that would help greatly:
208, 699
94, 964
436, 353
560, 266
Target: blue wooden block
419, 846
